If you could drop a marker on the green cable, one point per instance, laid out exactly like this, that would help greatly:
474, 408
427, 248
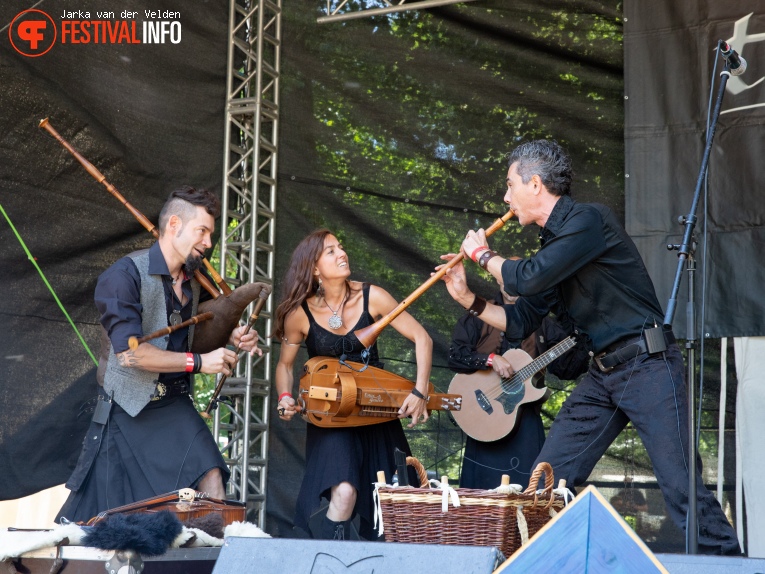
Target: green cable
32, 260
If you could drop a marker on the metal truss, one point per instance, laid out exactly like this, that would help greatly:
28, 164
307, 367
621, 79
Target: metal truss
248, 233
339, 10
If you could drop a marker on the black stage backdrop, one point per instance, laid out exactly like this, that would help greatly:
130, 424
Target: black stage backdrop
670, 48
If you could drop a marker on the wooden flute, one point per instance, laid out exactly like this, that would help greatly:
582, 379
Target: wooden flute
368, 335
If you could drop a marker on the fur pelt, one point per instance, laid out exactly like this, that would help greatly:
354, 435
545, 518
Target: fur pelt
211, 523
14, 544
245, 530
148, 533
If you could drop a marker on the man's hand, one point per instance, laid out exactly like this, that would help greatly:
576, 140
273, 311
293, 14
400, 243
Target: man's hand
473, 240
245, 342
456, 282
219, 361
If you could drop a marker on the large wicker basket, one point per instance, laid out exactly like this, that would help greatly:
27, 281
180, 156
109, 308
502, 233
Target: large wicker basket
483, 518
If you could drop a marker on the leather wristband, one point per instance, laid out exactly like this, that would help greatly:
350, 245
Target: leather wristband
479, 304
490, 360
418, 394
485, 256
197, 363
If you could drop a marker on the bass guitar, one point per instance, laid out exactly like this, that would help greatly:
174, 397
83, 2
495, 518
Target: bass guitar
490, 403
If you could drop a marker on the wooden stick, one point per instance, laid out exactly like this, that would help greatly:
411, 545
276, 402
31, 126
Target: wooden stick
133, 342
142, 219
368, 335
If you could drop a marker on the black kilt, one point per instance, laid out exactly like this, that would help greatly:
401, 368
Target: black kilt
167, 446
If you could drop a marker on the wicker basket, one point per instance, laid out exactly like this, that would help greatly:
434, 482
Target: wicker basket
484, 518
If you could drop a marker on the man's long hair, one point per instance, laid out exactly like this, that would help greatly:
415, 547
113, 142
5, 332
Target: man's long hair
299, 281
548, 160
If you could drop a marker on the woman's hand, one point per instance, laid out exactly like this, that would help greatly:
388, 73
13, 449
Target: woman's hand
416, 408
502, 367
286, 409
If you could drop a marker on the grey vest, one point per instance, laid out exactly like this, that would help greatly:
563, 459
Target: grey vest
133, 388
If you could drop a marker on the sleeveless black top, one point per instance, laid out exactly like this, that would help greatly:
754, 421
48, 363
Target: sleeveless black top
322, 342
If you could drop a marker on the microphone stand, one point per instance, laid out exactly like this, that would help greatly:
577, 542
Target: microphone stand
685, 255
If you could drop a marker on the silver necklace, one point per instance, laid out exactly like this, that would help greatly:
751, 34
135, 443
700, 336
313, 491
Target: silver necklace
175, 316
335, 321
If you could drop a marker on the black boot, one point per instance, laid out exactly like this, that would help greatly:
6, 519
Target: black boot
331, 530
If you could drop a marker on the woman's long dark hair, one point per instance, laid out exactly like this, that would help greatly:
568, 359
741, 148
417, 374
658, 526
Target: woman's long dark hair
299, 281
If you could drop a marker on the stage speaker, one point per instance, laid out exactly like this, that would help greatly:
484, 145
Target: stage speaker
305, 556
697, 564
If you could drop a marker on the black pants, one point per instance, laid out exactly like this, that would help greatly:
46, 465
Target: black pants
649, 391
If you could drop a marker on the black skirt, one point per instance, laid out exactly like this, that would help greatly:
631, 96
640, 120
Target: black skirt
354, 455
166, 447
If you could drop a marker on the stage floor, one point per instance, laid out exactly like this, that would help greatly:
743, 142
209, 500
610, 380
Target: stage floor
203, 560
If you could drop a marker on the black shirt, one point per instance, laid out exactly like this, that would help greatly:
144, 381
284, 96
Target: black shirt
118, 299
588, 272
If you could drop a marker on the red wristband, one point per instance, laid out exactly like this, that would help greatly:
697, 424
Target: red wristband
476, 250
283, 395
189, 362
490, 360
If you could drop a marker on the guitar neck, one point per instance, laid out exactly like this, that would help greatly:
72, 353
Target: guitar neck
543, 360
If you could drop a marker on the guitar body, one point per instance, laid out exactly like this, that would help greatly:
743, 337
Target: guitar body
489, 404
334, 394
